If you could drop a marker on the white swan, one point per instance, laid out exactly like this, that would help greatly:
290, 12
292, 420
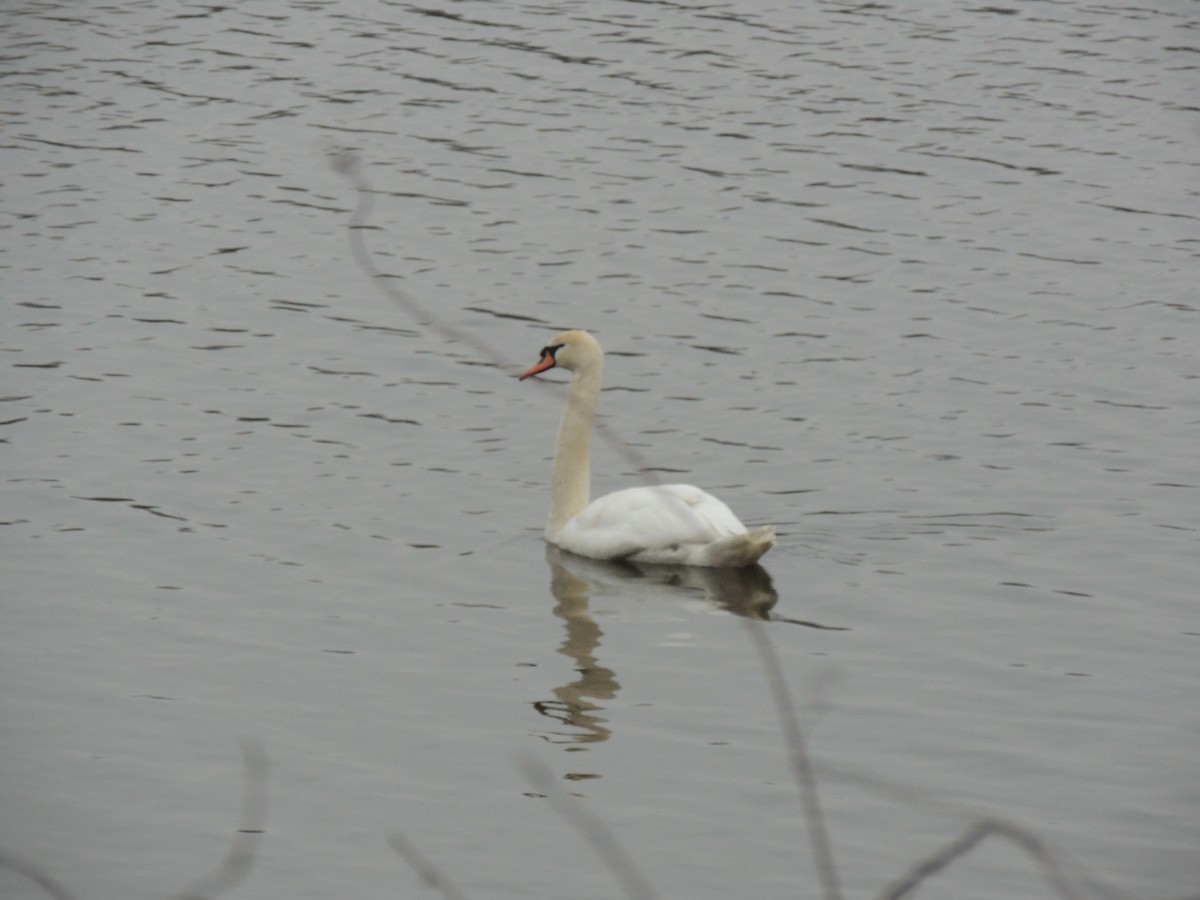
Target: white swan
675, 524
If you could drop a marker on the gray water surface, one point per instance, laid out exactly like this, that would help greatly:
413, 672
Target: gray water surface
916, 285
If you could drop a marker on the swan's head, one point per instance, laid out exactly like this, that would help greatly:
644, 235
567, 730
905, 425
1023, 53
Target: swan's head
571, 350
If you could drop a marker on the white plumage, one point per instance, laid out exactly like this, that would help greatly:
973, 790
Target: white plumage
675, 524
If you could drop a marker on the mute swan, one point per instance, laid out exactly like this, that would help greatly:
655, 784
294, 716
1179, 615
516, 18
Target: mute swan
675, 524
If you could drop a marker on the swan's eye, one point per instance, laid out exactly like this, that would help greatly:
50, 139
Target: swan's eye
551, 350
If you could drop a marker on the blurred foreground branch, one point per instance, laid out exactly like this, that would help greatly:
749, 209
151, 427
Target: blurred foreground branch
240, 859
425, 867
971, 838
35, 874
801, 763
619, 862
347, 164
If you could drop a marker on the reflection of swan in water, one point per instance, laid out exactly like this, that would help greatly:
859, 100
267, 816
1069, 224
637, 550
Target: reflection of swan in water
574, 581
572, 704
675, 524
745, 591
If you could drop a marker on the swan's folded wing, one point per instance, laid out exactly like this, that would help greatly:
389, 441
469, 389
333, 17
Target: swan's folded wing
644, 518
707, 508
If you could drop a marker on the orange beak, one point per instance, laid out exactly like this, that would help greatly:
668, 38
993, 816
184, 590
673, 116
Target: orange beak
546, 362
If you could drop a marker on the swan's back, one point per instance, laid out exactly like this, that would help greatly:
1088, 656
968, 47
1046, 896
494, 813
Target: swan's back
675, 524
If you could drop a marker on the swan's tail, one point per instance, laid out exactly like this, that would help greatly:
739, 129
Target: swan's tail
740, 549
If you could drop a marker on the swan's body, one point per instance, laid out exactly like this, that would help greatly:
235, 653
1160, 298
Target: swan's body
676, 524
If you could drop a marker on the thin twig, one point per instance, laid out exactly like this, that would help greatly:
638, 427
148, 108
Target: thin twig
425, 868
240, 859
802, 768
598, 835
34, 874
348, 164
971, 838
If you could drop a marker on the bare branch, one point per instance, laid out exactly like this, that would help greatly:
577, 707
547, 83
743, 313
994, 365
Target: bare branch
971, 838
425, 868
34, 874
347, 164
240, 859
599, 836
802, 768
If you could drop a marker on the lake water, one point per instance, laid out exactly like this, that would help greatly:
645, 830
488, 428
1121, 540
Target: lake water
917, 285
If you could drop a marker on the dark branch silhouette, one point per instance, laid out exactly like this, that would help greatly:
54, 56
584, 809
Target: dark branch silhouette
599, 836
971, 838
347, 163
425, 868
35, 874
240, 859
802, 768
238, 862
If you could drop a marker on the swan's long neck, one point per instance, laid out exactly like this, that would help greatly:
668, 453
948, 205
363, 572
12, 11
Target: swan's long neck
570, 487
